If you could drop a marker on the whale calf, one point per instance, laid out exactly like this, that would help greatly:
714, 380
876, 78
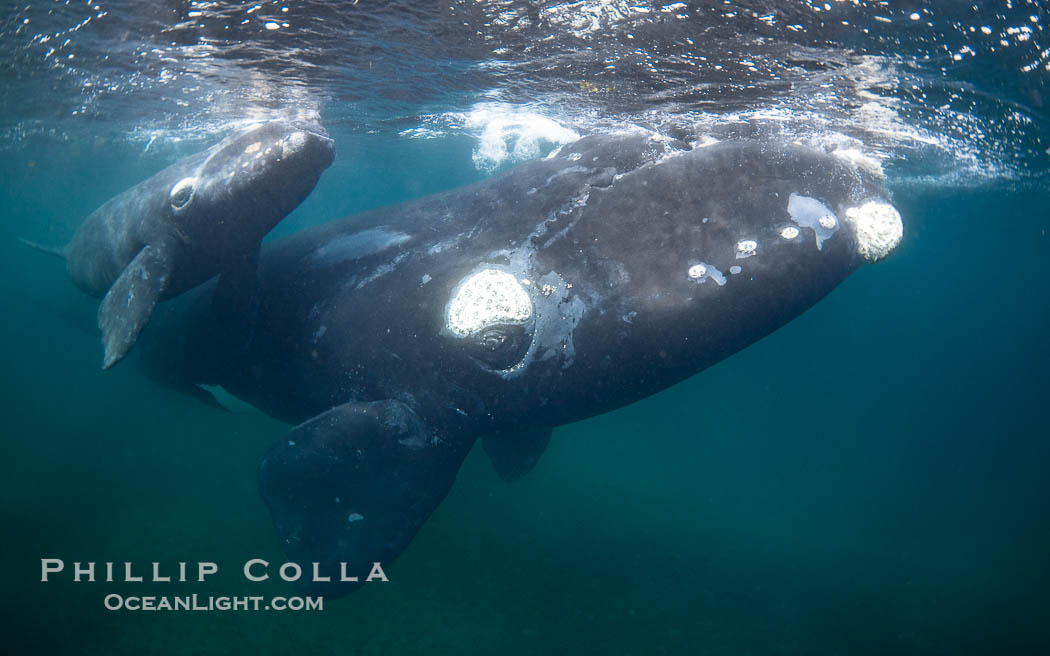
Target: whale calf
201, 216
559, 290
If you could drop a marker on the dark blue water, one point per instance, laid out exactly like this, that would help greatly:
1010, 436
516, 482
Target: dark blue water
870, 479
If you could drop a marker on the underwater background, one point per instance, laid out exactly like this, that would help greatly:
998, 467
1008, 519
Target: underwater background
873, 478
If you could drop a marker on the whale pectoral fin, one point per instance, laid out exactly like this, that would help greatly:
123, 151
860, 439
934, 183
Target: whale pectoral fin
130, 301
353, 485
513, 454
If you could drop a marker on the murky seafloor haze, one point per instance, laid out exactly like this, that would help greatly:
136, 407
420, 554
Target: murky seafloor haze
874, 478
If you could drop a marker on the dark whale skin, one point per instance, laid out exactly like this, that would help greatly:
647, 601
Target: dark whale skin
595, 253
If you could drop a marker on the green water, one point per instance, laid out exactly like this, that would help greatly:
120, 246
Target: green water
871, 479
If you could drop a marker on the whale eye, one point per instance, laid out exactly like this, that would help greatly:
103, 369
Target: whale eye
492, 340
182, 193
500, 346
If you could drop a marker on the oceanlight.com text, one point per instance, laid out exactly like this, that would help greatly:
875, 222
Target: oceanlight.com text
194, 602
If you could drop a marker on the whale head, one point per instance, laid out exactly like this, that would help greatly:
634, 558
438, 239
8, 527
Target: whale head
239, 189
659, 262
690, 258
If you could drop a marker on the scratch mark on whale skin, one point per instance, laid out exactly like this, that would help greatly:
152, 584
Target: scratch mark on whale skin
347, 248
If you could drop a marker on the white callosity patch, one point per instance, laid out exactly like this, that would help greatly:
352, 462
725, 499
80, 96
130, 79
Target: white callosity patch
746, 248
735, 269
879, 228
811, 213
487, 297
293, 143
789, 232
702, 272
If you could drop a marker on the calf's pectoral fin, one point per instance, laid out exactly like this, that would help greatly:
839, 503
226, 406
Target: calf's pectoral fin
353, 485
514, 453
130, 301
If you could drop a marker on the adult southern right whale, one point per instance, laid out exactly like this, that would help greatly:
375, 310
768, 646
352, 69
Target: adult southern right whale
559, 290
